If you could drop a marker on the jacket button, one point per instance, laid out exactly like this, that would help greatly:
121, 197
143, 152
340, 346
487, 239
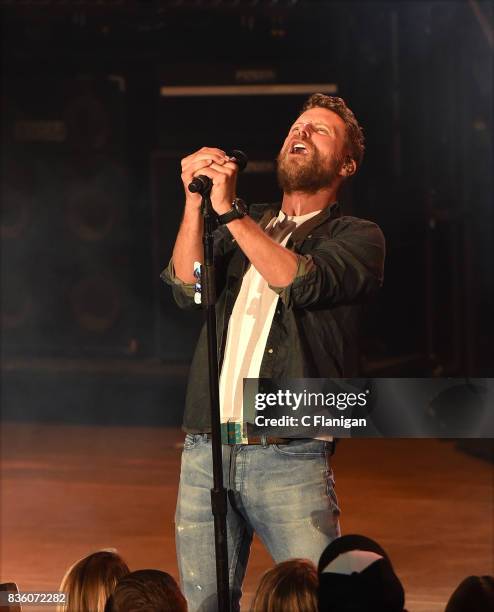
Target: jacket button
270, 350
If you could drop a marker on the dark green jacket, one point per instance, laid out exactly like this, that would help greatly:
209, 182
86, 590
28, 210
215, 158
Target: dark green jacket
315, 329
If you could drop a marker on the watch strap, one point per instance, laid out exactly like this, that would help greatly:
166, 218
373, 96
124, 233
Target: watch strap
232, 214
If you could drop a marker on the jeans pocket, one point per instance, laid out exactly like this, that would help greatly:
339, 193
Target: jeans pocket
303, 448
191, 441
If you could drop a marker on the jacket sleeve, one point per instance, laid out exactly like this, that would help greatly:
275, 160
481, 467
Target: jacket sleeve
183, 293
342, 269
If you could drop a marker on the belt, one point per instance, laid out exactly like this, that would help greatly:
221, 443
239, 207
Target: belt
268, 440
258, 440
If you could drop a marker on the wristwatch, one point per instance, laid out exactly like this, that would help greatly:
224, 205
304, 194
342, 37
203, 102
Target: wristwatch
239, 210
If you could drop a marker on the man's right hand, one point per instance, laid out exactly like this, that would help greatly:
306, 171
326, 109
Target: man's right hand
192, 166
188, 245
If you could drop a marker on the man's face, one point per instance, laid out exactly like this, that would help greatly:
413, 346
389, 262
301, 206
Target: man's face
313, 152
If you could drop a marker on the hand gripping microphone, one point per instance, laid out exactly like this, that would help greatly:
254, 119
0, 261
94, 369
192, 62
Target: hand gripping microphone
201, 184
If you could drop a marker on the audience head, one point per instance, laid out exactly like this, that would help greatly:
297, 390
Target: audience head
474, 594
147, 590
90, 581
290, 586
355, 574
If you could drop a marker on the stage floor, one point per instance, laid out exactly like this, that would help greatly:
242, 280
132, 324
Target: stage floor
67, 491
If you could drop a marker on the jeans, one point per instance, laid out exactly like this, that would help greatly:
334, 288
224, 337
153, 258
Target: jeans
282, 492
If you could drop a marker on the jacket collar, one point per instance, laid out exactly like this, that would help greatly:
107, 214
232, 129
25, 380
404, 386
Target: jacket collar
302, 231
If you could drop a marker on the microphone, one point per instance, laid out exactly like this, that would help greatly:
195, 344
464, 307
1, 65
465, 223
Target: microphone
201, 184
241, 159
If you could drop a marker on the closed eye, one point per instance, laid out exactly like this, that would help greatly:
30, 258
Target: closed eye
323, 129
320, 129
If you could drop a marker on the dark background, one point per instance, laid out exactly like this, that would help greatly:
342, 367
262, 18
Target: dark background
91, 195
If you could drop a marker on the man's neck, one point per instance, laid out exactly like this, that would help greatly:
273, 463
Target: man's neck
299, 203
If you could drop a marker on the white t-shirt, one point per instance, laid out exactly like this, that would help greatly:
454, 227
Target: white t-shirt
249, 325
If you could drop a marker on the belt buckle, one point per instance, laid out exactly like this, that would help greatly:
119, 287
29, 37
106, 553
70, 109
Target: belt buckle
232, 432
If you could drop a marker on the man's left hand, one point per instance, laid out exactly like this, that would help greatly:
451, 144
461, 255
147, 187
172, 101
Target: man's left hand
224, 179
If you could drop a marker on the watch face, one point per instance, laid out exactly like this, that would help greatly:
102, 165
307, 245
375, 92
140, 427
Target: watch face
240, 206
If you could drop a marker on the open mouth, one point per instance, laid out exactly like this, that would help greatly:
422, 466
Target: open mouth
298, 148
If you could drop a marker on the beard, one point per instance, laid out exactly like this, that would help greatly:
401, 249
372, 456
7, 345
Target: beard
306, 173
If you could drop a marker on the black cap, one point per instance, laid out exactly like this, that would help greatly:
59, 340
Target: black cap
356, 575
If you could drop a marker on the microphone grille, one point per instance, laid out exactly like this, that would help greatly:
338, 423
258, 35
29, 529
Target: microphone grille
241, 158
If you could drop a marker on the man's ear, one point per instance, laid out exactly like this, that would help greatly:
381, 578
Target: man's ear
348, 167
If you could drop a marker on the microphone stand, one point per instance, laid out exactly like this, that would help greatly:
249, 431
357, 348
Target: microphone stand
218, 492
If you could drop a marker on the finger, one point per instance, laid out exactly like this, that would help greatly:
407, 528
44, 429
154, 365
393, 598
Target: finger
216, 175
207, 151
228, 168
195, 167
204, 153
219, 176
217, 171
212, 154
213, 150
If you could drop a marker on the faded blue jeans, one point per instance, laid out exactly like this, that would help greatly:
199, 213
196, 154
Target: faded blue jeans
282, 492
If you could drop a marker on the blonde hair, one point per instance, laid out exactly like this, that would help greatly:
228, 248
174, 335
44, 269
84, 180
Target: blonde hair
89, 582
290, 586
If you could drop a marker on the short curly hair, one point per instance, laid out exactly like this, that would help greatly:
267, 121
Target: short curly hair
355, 141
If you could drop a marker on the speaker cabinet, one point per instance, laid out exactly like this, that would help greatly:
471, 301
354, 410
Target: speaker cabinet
66, 266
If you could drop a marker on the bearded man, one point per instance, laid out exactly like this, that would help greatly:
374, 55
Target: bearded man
291, 282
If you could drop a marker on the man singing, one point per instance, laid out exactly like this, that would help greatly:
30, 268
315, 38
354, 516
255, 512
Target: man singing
291, 282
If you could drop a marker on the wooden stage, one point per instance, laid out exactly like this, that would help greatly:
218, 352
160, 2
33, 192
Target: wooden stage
69, 490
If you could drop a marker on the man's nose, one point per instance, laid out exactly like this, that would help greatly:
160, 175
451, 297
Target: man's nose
305, 129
